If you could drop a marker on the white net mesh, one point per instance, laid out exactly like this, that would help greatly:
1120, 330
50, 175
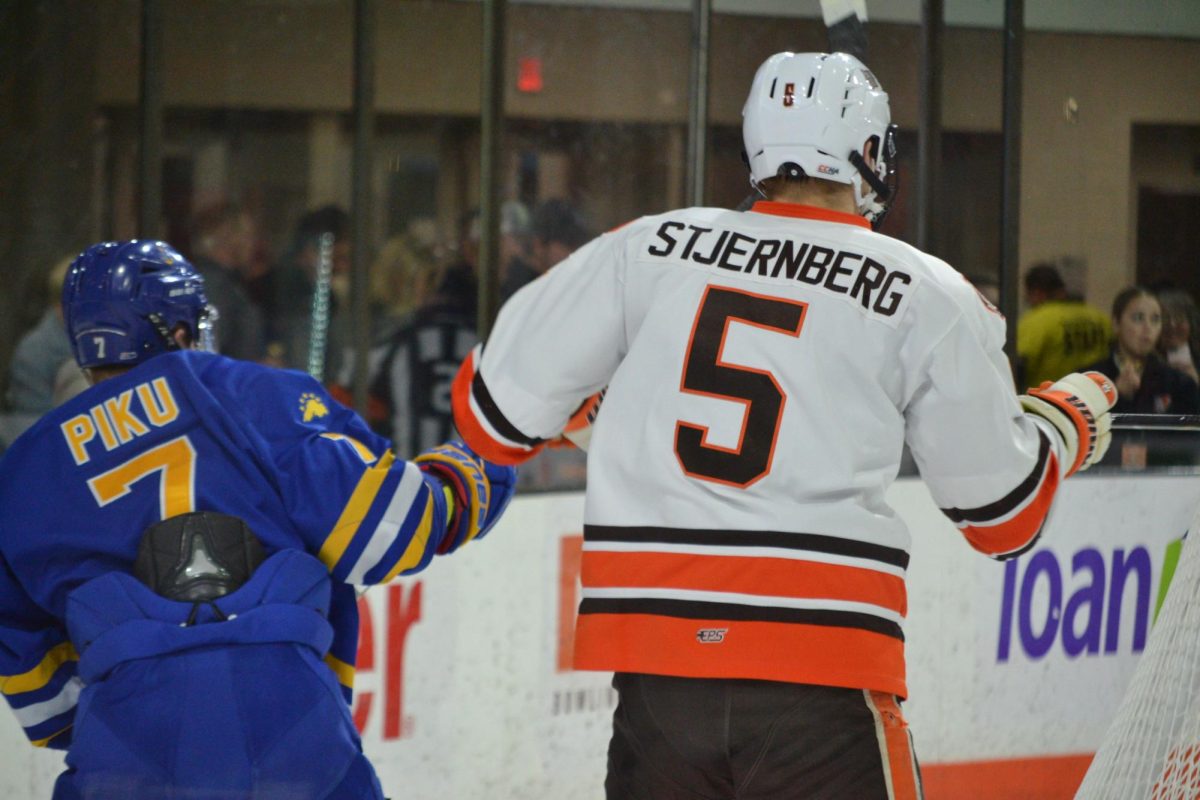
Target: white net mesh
1152, 749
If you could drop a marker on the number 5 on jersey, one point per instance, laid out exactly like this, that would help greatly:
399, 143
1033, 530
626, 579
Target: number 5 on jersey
705, 372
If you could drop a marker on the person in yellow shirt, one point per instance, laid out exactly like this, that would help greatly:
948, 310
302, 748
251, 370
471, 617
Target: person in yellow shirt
1059, 334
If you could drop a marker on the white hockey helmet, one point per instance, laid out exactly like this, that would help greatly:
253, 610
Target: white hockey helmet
816, 114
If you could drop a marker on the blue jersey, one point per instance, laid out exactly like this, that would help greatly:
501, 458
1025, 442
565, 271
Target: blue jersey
236, 704
182, 432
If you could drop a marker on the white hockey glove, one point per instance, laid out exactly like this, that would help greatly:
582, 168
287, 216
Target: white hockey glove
1078, 407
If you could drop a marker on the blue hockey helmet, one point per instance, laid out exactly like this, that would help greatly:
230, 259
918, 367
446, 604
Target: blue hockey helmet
122, 300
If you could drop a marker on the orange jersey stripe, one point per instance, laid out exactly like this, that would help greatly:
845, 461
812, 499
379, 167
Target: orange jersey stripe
896, 746
800, 211
1021, 529
1030, 778
779, 577
469, 427
773, 651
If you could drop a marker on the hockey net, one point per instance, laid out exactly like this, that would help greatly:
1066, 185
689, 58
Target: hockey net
1152, 749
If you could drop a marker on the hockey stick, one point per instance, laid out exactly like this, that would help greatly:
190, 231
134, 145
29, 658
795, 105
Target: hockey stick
846, 21
318, 334
1156, 422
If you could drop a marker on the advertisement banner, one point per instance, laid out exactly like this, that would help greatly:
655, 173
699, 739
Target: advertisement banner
1015, 669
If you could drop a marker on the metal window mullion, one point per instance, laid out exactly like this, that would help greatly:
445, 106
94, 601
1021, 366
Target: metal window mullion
929, 134
361, 205
150, 119
491, 130
1010, 212
697, 140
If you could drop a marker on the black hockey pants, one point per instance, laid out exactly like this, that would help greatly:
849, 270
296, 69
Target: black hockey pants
717, 739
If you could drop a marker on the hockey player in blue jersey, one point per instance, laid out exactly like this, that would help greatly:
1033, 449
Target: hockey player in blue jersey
219, 664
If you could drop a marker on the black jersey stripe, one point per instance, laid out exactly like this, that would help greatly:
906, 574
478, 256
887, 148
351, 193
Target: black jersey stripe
811, 542
736, 612
1023, 549
1025, 490
496, 418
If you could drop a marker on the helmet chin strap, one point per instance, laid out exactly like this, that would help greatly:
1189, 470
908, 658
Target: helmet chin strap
866, 203
753, 183
875, 203
882, 190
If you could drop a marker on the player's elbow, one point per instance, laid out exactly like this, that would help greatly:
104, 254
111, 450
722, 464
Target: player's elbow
1003, 545
1011, 525
482, 424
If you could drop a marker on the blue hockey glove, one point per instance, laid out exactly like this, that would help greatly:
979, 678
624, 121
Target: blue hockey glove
480, 489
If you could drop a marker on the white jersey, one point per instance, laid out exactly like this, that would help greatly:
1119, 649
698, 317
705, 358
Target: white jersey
764, 371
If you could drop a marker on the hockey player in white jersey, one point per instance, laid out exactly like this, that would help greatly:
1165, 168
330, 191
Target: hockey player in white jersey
742, 572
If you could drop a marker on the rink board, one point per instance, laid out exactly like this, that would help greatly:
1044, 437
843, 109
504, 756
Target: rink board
465, 688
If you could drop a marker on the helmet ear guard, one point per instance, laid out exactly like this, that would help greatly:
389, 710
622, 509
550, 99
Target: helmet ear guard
203, 337
883, 180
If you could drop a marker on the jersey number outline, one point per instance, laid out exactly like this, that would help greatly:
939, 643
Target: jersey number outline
706, 373
175, 459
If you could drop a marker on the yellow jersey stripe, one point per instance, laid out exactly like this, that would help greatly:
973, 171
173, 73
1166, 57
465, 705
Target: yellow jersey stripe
46, 741
40, 675
416, 545
366, 455
343, 671
355, 511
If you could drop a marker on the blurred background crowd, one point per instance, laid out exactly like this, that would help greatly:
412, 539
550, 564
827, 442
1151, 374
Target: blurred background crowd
276, 140
423, 306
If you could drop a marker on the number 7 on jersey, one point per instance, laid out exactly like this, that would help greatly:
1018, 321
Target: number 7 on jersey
705, 372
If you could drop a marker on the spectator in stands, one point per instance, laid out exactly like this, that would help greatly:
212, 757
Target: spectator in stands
1145, 383
555, 232
406, 273
39, 355
413, 370
1058, 334
293, 283
1180, 343
514, 250
69, 381
431, 314
223, 240
462, 276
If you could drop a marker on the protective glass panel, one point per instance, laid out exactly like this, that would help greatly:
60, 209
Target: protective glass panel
351, 243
